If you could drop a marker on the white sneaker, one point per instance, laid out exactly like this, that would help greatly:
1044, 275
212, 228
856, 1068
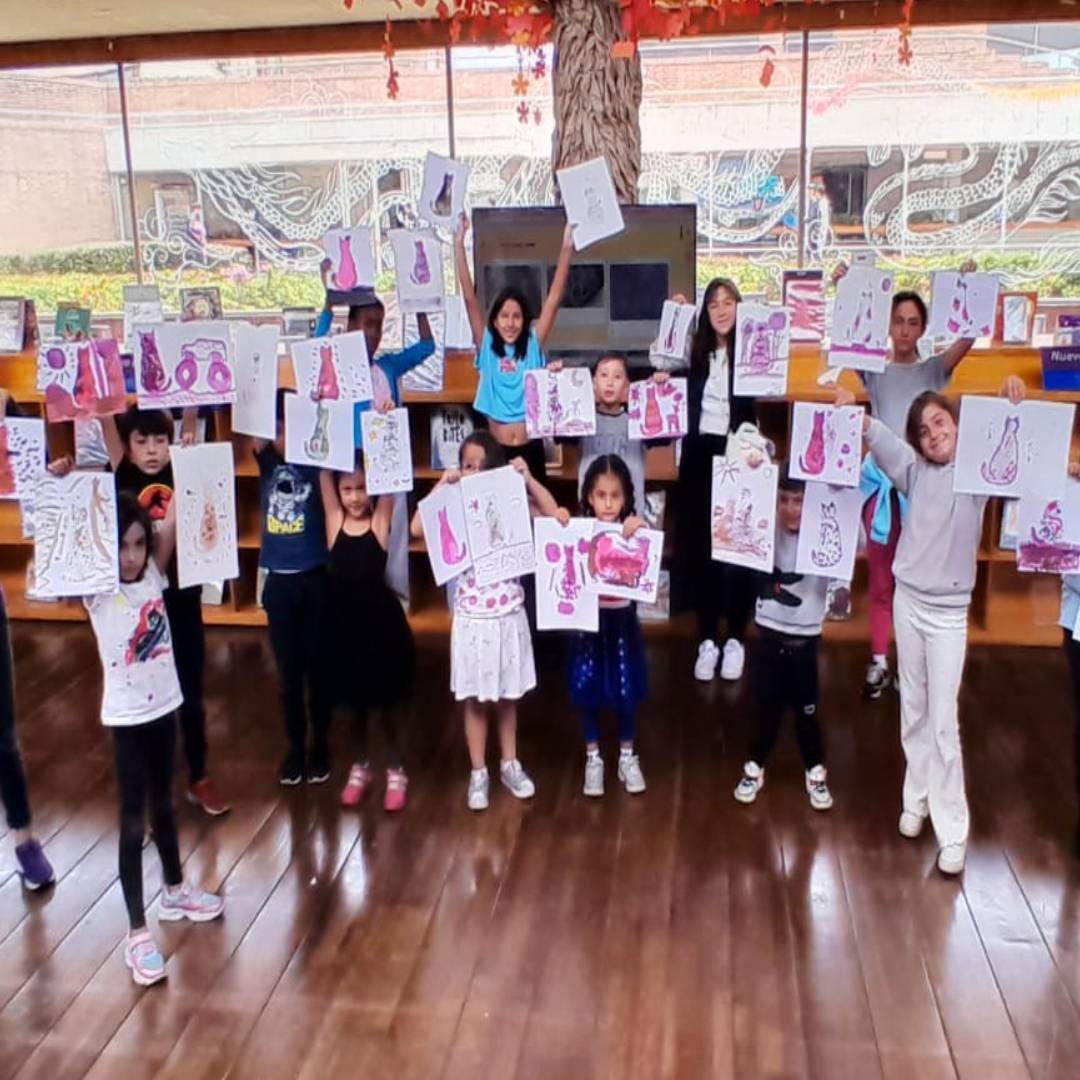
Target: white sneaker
705, 665
753, 780
911, 824
817, 789
877, 680
630, 774
516, 779
594, 775
950, 859
731, 667
478, 789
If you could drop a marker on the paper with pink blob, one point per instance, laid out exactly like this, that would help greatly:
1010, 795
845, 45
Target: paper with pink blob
442, 514
563, 598
826, 443
626, 568
657, 410
962, 305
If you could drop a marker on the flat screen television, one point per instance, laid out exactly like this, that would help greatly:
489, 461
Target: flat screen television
617, 287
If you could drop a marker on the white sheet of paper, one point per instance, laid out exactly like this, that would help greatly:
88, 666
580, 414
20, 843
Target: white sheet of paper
744, 514
1017, 317
860, 320
498, 524
962, 305
657, 410
458, 333
185, 363
442, 195
22, 456
256, 369
430, 376
826, 443
91, 450
142, 307
625, 568
675, 323
418, 262
829, 533
1048, 531
333, 368
592, 207
559, 403
762, 349
319, 433
204, 481
352, 265
388, 466
442, 513
562, 554
75, 542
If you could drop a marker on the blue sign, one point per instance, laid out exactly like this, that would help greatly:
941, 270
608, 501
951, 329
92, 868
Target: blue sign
1061, 367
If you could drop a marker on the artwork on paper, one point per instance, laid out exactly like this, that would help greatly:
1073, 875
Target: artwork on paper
81, 379
1049, 531
451, 425
1010, 450
657, 410
559, 403
660, 609
142, 307
627, 568
418, 262
200, 303
22, 456
860, 321
442, 195
91, 450
204, 481
592, 208
743, 519
804, 297
72, 323
442, 513
333, 368
388, 466
1015, 318
829, 533
676, 321
75, 542
185, 363
352, 265
962, 305
319, 433
254, 411
563, 601
428, 377
498, 525
13, 311
762, 349
458, 332
826, 443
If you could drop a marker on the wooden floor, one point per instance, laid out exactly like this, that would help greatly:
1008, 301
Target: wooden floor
674, 934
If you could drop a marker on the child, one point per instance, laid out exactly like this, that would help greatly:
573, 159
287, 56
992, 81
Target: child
142, 694
507, 346
138, 448
607, 669
491, 655
1070, 616
935, 573
293, 555
790, 614
372, 645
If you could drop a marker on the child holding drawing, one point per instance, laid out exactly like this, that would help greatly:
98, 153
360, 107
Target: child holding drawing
142, 694
1070, 621
491, 654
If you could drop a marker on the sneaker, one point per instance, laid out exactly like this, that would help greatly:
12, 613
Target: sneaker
292, 769
35, 868
205, 795
731, 666
594, 775
318, 767
817, 789
911, 824
630, 774
478, 789
753, 780
189, 902
951, 857
352, 794
877, 680
705, 665
142, 956
516, 779
396, 784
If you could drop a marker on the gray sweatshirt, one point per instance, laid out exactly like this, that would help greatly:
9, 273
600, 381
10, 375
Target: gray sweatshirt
795, 603
940, 538
613, 437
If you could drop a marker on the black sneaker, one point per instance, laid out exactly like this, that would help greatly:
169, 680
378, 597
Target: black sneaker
318, 767
292, 769
877, 680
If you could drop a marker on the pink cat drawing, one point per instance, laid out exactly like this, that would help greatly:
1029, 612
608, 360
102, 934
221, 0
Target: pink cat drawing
421, 272
453, 551
1004, 464
812, 460
346, 277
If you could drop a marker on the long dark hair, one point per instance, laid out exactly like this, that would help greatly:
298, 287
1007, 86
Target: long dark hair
494, 455
521, 345
129, 511
605, 465
918, 407
704, 341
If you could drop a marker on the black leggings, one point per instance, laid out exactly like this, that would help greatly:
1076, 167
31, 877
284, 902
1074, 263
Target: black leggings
13, 790
786, 673
184, 608
144, 765
391, 732
1072, 652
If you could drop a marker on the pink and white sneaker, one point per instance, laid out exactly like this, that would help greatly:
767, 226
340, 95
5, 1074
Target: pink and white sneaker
189, 902
142, 956
396, 784
352, 794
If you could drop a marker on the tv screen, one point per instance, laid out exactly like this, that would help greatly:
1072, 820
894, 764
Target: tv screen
585, 286
638, 290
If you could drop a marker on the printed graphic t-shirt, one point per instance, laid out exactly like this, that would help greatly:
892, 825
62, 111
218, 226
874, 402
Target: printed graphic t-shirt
501, 392
293, 526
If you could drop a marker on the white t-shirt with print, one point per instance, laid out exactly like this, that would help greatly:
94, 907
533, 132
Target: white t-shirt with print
135, 645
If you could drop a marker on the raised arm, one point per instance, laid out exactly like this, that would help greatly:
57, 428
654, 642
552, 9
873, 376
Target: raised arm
188, 425
558, 286
895, 458
541, 502
465, 282
332, 511
381, 520
113, 443
165, 539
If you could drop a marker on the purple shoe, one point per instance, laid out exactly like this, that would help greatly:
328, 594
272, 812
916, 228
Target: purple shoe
35, 868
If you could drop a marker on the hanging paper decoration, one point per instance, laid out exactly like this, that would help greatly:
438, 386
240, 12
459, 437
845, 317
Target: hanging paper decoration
904, 48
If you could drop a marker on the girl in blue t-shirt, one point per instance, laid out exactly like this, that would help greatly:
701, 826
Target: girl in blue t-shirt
507, 345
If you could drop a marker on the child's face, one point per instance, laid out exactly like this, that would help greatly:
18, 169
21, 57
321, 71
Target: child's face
148, 452
509, 321
789, 510
473, 459
721, 312
937, 435
610, 383
906, 327
352, 490
133, 552
370, 320
606, 500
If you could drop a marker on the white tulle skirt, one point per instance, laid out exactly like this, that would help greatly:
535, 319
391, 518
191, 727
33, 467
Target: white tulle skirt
491, 659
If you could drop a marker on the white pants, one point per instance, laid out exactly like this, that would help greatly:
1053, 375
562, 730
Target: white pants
931, 642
